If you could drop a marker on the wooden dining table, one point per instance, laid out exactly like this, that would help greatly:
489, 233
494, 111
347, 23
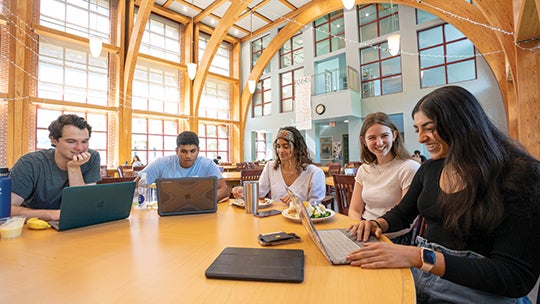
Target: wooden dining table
232, 178
228, 168
151, 259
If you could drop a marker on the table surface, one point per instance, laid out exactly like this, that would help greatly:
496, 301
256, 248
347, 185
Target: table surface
231, 176
152, 259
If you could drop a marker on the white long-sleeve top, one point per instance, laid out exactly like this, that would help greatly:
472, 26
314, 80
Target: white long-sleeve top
309, 185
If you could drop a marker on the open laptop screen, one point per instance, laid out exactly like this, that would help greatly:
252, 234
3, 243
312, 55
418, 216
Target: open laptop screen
186, 195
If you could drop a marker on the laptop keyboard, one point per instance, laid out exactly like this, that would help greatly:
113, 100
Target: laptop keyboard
337, 243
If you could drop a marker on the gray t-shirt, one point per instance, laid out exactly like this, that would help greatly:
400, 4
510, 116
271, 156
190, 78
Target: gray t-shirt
36, 178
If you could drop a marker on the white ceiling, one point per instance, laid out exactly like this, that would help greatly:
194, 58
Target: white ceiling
264, 12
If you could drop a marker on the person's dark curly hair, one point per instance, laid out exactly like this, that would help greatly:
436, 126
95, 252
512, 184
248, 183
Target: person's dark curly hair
293, 137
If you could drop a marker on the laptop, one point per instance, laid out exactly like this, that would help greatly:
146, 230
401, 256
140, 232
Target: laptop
335, 244
186, 195
93, 204
257, 264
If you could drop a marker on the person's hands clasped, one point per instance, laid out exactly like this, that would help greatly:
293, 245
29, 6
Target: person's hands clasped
363, 229
79, 159
384, 255
238, 192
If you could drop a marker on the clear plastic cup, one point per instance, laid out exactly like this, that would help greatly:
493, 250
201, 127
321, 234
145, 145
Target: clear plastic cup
11, 227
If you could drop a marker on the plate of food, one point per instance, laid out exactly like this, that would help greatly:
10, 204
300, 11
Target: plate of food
317, 213
239, 202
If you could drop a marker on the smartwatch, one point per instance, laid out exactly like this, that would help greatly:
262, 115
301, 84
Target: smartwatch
428, 259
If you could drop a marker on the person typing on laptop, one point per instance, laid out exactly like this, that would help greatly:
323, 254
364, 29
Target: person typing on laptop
39, 177
480, 196
186, 163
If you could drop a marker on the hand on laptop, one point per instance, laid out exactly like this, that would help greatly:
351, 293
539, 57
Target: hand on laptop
363, 229
385, 255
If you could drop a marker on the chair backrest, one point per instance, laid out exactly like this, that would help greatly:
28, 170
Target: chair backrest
333, 168
250, 175
109, 180
125, 170
241, 166
344, 186
138, 168
353, 164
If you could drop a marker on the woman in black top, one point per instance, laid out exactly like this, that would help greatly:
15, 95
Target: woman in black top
480, 197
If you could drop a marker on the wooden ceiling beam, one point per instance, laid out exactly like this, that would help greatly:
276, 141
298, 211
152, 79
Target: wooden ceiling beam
276, 23
288, 4
167, 13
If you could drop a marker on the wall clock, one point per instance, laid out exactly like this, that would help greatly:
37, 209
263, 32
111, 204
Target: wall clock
320, 108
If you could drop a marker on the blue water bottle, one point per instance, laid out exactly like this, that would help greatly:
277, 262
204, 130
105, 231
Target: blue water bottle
5, 193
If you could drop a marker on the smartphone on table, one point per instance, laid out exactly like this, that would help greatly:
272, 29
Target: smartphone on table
266, 213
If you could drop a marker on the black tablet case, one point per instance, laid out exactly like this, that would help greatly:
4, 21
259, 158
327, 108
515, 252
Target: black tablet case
258, 264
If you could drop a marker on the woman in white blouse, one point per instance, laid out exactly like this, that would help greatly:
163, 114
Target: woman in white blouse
292, 169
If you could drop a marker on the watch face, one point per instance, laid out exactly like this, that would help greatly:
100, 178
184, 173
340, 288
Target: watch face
428, 256
320, 109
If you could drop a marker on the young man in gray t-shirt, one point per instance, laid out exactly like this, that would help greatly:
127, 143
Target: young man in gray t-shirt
39, 177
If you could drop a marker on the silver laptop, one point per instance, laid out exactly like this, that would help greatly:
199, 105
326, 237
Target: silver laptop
186, 195
335, 244
93, 204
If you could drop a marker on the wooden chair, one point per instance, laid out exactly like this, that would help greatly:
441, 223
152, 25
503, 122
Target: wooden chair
138, 168
353, 164
250, 175
333, 168
241, 166
344, 185
109, 180
126, 170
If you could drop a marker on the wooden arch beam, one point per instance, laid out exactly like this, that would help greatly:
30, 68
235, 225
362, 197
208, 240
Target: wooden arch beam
135, 39
130, 62
484, 39
229, 18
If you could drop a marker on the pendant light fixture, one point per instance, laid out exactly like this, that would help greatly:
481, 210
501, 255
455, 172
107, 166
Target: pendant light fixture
191, 70
252, 84
348, 4
192, 66
393, 44
393, 40
95, 43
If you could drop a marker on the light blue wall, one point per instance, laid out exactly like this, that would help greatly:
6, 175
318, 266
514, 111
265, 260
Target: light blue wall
348, 105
